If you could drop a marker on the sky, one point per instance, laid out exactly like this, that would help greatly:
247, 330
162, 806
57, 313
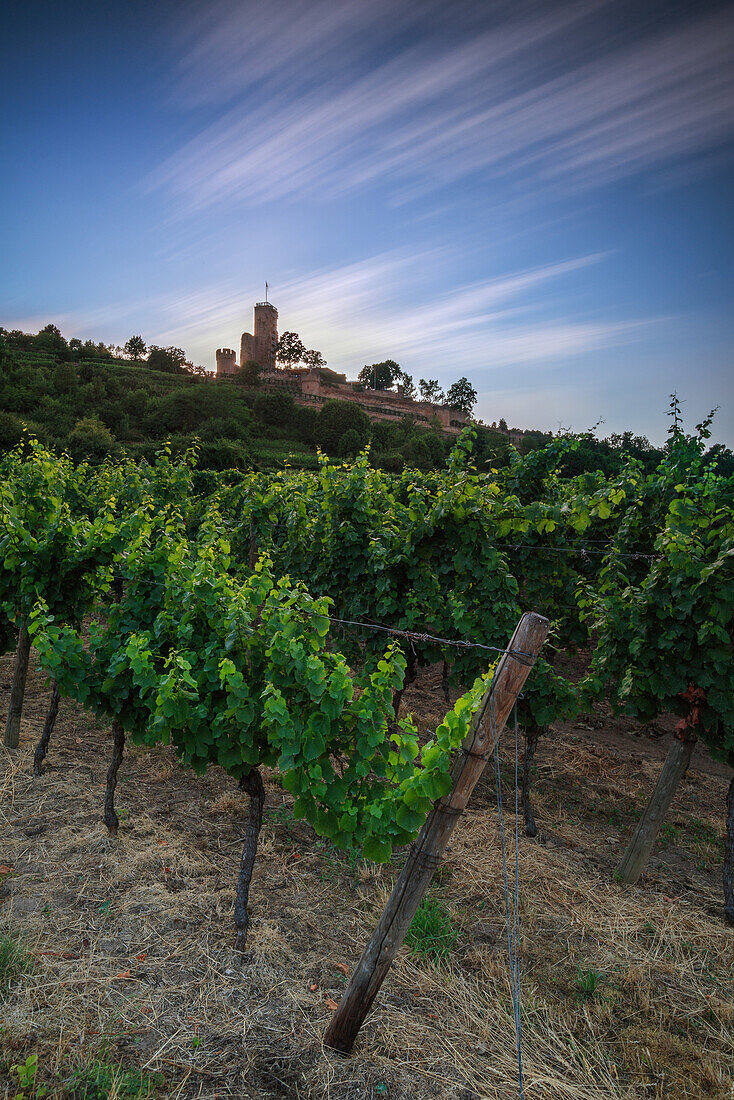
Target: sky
536, 196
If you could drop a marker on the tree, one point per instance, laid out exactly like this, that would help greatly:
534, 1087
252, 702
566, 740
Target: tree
274, 408
431, 391
313, 359
248, 374
409, 389
49, 339
462, 396
335, 420
91, 440
290, 349
380, 376
170, 360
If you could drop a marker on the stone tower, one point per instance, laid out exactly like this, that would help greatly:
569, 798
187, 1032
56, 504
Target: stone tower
261, 345
226, 362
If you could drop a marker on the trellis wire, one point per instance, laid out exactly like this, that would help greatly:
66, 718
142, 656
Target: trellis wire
513, 922
422, 637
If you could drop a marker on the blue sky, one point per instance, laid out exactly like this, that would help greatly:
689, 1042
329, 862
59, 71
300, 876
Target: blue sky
534, 195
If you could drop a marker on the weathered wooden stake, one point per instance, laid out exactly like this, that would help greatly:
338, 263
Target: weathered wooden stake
48, 728
17, 691
425, 855
638, 850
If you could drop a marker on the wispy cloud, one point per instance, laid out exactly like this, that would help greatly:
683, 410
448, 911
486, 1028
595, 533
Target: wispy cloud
347, 312
320, 103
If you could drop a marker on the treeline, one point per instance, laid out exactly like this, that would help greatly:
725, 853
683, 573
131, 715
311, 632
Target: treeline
86, 400
96, 405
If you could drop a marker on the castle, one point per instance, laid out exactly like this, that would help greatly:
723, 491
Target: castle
314, 386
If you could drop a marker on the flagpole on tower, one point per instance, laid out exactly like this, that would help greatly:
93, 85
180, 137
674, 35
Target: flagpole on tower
266, 291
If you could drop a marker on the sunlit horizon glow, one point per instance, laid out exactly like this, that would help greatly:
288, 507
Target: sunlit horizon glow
534, 196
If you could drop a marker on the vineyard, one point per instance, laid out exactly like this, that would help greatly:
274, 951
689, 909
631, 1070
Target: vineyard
304, 674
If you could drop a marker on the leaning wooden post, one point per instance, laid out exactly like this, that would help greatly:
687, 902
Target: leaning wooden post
643, 839
425, 854
675, 767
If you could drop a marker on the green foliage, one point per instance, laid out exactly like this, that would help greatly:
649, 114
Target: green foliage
313, 358
430, 390
224, 454
91, 440
170, 360
14, 961
11, 431
238, 666
239, 672
135, 348
26, 1072
248, 374
97, 1080
350, 443
462, 395
274, 407
666, 631
587, 983
432, 934
290, 349
335, 420
380, 376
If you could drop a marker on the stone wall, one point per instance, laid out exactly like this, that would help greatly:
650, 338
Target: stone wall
314, 387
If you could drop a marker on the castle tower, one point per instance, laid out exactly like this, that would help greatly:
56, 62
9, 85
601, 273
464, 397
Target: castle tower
266, 331
226, 362
261, 345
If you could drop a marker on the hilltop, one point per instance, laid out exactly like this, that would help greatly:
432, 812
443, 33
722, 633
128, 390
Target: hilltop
91, 401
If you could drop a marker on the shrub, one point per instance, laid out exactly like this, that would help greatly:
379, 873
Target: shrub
335, 419
11, 431
90, 441
275, 408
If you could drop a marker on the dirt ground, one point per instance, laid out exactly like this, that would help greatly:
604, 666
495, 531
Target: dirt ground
628, 992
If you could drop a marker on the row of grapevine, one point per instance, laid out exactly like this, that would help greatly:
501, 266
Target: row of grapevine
638, 566
234, 672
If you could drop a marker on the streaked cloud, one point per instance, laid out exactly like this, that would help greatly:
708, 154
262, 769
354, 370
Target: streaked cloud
345, 312
533, 100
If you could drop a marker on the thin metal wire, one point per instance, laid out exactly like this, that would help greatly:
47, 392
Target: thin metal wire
574, 550
518, 654
518, 1008
513, 919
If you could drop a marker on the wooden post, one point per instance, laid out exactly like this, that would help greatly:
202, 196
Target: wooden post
643, 838
425, 854
17, 691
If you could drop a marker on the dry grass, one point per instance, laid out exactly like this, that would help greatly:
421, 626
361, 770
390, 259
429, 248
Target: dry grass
131, 937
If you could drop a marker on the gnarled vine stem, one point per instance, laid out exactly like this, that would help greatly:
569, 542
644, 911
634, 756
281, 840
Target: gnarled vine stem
252, 783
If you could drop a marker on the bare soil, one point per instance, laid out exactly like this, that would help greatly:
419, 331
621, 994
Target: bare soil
130, 937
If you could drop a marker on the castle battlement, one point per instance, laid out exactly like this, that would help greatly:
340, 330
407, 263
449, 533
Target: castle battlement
314, 386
